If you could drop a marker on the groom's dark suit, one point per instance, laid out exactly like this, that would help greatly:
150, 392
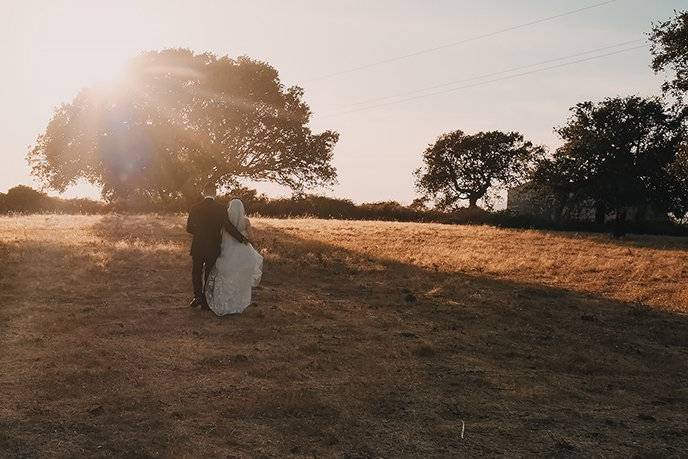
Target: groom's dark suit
206, 221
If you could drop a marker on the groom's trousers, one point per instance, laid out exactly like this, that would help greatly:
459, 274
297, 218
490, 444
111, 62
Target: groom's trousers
202, 265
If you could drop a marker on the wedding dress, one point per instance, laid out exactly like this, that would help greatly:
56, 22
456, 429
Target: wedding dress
238, 268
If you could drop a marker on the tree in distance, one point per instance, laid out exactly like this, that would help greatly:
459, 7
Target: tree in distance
677, 186
22, 198
178, 120
461, 166
670, 51
616, 153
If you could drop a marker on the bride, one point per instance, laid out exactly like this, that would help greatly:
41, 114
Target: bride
238, 268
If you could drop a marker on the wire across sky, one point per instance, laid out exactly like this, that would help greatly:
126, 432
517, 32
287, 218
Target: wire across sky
486, 82
487, 75
459, 42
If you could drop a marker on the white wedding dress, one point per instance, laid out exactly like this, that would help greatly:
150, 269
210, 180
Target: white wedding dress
238, 268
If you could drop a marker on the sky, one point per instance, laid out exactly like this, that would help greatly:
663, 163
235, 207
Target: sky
52, 49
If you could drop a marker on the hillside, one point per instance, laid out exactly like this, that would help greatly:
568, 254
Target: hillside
367, 339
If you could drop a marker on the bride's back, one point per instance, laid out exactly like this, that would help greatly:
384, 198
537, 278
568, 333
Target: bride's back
238, 268
237, 215
244, 226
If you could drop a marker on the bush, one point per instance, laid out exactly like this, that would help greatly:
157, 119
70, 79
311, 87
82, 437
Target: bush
77, 206
303, 206
24, 199
389, 210
508, 219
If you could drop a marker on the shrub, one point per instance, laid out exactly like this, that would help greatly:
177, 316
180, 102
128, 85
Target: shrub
23, 198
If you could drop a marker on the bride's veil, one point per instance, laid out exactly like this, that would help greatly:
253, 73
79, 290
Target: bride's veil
237, 214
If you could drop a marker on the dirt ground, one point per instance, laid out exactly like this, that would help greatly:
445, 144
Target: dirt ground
365, 340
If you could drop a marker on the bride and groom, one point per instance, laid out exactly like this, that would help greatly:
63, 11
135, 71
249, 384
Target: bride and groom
225, 264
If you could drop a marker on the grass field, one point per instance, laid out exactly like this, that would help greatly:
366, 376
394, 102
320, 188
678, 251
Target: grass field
366, 340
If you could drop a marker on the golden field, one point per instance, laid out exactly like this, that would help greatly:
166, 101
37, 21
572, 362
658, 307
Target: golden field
366, 339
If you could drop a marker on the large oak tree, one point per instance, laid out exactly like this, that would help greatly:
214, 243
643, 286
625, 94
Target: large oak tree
616, 154
177, 120
460, 166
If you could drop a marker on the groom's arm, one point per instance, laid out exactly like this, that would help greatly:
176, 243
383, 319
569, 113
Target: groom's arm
191, 223
231, 229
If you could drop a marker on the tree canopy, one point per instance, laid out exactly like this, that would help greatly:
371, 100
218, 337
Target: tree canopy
677, 186
178, 120
460, 166
22, 198
670, 51
616, 153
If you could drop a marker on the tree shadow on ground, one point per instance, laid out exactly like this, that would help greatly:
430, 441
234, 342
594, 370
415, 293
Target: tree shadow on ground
343, 355
530, 368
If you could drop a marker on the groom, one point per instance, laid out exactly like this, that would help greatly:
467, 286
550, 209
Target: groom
205, 223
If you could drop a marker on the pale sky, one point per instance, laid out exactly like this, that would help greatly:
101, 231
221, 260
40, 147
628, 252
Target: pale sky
50, 49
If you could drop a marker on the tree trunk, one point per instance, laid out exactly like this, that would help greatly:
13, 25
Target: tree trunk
619, 224
472, 202
600, 213
642, 214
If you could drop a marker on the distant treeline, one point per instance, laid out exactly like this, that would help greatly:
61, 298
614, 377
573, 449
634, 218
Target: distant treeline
25, 200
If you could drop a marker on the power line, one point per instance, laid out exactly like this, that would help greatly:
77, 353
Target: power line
460, 42
501, 72
482, 83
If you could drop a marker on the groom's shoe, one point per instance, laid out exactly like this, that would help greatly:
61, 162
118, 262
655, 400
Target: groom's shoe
195, 303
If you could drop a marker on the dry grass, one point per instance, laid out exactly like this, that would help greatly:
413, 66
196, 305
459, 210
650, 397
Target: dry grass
367, 340
641, 269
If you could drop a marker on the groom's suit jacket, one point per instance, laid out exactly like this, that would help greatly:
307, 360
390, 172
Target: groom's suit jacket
206, 221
